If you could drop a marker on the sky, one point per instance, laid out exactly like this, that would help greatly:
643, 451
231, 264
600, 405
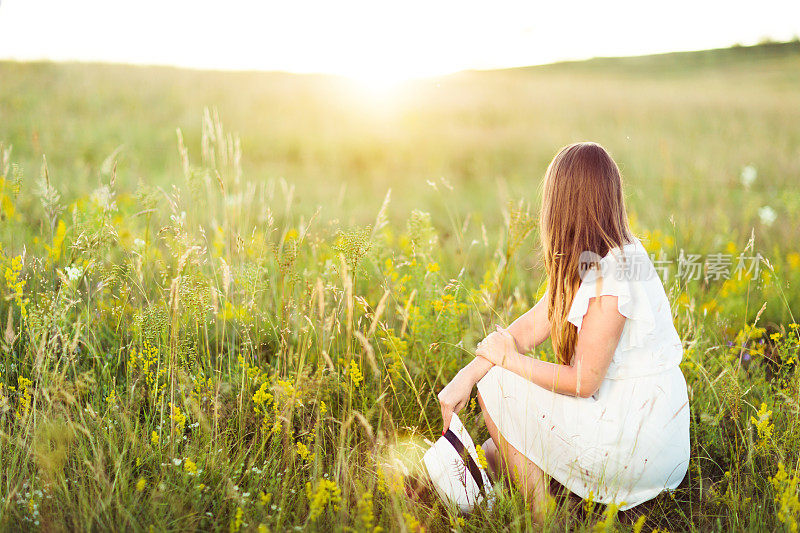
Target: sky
377, 40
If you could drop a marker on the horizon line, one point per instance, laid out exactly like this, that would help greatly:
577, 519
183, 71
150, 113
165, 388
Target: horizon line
212, 69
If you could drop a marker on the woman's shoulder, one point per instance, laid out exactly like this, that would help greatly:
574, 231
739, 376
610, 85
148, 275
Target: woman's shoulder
630, 272
626, 272
612, 273
629, 262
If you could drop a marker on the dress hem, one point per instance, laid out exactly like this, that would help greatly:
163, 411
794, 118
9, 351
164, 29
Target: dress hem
568, 483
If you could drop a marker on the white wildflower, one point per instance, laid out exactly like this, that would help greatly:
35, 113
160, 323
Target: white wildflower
767, 215
73, 272
748, 175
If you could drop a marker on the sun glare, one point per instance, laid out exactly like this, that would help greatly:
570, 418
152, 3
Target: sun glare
390, 68
384, 89
380, 81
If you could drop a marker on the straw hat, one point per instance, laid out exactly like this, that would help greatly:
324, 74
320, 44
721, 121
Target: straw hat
452, 463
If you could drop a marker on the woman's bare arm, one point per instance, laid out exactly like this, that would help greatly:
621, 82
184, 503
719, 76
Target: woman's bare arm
598, 338
531, 328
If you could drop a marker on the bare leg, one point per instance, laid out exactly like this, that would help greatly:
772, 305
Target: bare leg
530, 479
494, 459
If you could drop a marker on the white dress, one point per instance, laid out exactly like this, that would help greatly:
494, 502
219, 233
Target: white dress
630, 440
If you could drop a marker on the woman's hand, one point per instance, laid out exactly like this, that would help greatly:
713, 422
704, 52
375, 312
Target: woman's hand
497, 347
455, 395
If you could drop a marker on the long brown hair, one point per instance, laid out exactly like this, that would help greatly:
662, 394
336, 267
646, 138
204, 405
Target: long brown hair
583, 209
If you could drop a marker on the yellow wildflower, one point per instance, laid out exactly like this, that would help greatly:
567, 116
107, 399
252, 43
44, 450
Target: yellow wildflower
25, 397
252, 371
292, 234
325, 493
276, 427
366, 515
481, 457
457, 522
763, 427
54, 251
190, 466
141, 484
588, 504
16, 285
786, 497
412, 523
286, 387
302, 450
709, 306
177, 417
381, 481
639, 525
262, 398
236, 523
609, 517
355, 373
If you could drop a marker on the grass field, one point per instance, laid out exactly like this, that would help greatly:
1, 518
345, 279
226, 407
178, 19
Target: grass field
229, 299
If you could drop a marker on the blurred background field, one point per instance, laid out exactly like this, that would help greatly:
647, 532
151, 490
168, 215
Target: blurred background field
180, 329
671, 120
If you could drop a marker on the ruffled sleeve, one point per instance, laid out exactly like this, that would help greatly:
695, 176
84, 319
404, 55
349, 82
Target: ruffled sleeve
632, 300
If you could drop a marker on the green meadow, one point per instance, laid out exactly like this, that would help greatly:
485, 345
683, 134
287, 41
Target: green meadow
229, 299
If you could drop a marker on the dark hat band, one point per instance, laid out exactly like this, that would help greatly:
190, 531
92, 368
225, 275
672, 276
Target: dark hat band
470, 462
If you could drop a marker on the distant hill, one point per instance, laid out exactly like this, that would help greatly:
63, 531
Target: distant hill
670, 62
680, 62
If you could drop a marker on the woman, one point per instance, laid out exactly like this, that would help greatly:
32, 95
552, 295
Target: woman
611, 421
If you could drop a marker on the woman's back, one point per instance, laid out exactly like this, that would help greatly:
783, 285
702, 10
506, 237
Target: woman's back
649, 342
